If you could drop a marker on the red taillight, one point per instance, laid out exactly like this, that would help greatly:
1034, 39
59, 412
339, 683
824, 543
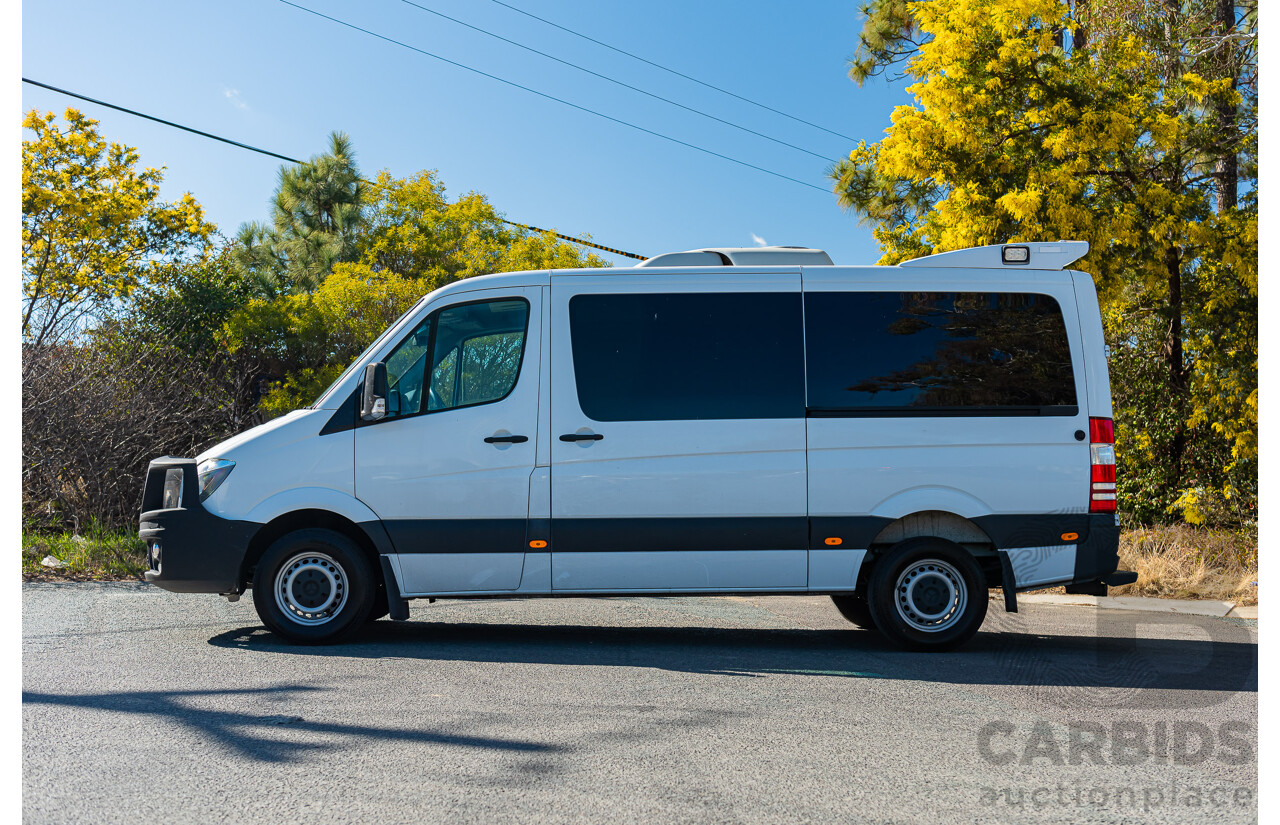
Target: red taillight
1102, 469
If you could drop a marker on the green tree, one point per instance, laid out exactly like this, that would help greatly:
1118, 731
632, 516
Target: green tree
317, 215
411, 240
1130, 124
93, 226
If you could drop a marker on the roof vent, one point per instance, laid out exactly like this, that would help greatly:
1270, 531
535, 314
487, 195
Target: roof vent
746, 256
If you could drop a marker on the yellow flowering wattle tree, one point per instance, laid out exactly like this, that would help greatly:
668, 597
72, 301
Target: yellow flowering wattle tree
1130, 124
93, 226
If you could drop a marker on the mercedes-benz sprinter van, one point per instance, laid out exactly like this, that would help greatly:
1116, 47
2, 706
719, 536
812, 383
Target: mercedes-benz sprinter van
760, 421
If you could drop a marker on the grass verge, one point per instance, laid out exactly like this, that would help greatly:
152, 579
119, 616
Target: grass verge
1172, 562
95, 555
1185, 562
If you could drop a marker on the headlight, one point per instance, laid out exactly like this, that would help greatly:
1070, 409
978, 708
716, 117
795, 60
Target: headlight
213, 472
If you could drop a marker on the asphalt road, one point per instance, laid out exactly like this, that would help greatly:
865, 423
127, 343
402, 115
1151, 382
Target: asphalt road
144, 706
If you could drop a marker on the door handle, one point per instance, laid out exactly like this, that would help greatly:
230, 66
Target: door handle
506, 439
581, 437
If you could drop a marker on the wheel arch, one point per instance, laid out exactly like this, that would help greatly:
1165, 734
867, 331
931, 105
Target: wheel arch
937, 524
312, 518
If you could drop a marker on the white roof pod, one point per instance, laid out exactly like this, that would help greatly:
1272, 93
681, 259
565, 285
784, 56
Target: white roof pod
746, 256
1059, 255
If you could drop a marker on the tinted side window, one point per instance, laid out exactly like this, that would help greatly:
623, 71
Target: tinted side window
679, 357
918, 352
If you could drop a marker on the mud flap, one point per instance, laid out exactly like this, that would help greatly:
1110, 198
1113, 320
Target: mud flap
397, 607
1008, 584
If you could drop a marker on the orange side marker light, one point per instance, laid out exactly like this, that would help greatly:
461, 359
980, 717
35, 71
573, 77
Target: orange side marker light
1070, 536
538, 543
834, 541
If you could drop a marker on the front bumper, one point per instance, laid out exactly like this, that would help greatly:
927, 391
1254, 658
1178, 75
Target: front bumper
198, 551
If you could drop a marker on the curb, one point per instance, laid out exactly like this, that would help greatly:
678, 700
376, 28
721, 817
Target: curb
1191, 607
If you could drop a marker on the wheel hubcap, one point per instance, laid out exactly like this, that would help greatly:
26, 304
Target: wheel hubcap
931, 596
311, 588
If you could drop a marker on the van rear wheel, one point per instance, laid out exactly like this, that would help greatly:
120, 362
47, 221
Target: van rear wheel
313, 586
927, 594
854, 607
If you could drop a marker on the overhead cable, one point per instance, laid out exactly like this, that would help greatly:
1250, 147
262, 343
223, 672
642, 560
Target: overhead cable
513, 84
240, 145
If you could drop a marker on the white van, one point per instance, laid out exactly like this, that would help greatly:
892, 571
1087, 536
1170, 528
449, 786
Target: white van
719, 421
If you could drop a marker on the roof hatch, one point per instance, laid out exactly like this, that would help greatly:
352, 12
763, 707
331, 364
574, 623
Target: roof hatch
746, 256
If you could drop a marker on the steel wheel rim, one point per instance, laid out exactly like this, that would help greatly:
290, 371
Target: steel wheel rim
931, 596
311, 588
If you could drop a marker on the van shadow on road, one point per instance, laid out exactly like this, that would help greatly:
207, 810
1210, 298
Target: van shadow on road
247, 733
1221, 665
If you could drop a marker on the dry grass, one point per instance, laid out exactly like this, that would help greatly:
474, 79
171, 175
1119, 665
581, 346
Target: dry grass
1185, 562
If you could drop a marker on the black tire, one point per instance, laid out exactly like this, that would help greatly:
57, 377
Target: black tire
314, 570
927, 594
854, 607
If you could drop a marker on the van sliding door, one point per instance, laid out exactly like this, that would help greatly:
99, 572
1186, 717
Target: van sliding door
678, 433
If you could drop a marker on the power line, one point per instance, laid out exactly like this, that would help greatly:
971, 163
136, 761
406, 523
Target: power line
670, 70
556, 99
615, 81
240, 145
159, 120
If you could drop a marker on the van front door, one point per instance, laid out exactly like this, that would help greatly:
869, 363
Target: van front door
677, 432
447, 470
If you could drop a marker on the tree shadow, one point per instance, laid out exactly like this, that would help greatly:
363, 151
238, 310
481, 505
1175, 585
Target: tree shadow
1222, 664
246, 733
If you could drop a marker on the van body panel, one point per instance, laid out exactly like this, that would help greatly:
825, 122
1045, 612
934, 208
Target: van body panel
720, 474
311, 498
669, 571
1035, 566
282, 465
834, 569
1097, 371
423, 573
889, 464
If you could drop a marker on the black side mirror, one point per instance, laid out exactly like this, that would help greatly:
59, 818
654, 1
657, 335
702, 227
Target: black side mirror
373, 402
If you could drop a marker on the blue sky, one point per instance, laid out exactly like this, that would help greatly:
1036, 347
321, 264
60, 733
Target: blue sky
275, 77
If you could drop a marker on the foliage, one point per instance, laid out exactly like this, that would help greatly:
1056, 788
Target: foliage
411, 240
1130, 125
316, 216
94, 553
93, 226
308, 339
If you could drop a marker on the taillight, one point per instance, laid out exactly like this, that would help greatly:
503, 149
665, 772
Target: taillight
1102, 466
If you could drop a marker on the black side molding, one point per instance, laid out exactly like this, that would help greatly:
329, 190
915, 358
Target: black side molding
397, 607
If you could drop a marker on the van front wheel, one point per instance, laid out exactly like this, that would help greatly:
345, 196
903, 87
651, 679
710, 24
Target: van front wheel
928, 594
313, 586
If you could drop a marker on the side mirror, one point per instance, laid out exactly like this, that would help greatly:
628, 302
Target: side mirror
373, 402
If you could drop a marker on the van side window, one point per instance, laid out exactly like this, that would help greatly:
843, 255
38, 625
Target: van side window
687, 356
474, 351
964, 353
